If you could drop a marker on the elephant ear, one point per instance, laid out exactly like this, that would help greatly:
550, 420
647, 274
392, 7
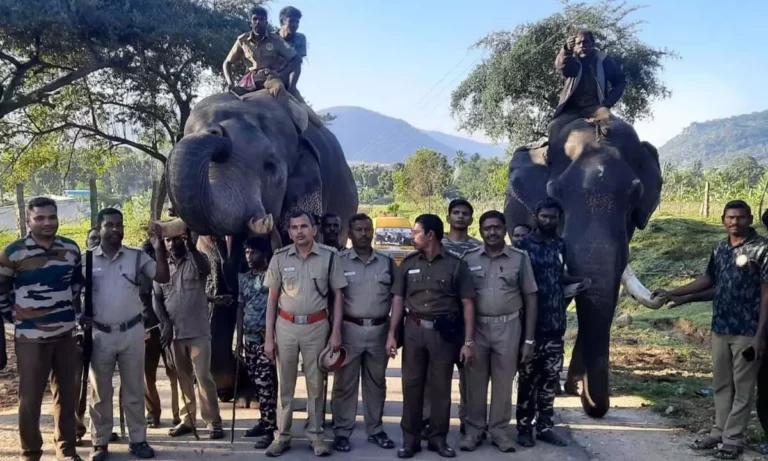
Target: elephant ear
648, 171
527, 184
304, 187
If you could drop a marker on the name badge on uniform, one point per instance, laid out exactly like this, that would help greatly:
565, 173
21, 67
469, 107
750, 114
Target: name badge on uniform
414, 271
289, 269
475, 268
347, 274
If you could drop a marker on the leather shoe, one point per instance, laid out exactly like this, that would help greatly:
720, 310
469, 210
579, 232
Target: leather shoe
408, 452
442, 449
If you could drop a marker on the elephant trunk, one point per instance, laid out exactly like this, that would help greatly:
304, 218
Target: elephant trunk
206, 186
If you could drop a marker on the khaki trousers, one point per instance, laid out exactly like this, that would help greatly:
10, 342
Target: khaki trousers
496, 357
154, 351
36, 362
309, 340
126, 350
366, 354
192, 358
734, 383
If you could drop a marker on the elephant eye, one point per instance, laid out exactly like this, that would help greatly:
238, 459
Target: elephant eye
270, 167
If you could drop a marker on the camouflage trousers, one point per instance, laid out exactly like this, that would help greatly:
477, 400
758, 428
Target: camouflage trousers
263, 374
536, 386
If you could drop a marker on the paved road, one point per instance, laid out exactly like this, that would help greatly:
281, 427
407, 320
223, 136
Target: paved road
627, 434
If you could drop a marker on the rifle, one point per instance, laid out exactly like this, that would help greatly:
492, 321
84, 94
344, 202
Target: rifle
87, 331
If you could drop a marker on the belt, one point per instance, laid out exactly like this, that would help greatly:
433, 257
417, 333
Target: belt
303, 319
123, 327
428, 324
496, 319
366, 322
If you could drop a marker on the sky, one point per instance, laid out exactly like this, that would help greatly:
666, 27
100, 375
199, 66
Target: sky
403, 58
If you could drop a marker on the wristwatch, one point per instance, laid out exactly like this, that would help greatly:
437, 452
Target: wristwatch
469, 343
530, 342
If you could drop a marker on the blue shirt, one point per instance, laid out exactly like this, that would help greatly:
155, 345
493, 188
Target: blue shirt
253, 294
548, 263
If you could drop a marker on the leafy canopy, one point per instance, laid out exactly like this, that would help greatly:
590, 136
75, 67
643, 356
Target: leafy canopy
513, 93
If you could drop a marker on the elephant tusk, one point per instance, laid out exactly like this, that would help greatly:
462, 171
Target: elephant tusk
637, 290
172, 229
261, 226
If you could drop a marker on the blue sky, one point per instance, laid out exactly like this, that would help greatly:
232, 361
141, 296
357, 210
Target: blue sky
403, 57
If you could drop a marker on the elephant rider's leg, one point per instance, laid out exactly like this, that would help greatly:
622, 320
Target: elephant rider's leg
600, 116
558, 123
313, 117
298, 112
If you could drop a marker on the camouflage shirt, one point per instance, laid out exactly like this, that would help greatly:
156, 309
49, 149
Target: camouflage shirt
548, 265
38, 287
460, 248
253, 295
738, 271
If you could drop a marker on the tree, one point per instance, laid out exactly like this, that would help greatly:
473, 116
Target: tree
425, 176
513, 93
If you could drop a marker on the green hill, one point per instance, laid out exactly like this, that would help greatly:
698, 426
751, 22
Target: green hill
717, 142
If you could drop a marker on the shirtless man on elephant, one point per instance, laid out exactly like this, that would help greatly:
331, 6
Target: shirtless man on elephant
594, 82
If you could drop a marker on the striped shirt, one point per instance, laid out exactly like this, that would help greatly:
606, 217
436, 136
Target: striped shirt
38, 287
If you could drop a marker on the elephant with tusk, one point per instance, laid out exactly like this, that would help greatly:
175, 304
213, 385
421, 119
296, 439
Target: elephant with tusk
609, 187
240, 170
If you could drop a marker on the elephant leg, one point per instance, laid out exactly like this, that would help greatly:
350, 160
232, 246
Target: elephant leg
576, 368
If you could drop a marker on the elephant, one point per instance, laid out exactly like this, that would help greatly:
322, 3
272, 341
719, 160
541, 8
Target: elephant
609, 187
240, 169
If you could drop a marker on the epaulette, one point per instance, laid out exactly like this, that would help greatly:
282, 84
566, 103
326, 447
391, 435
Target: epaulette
381, 253
326, 247
283, 249
518, 250
411, 254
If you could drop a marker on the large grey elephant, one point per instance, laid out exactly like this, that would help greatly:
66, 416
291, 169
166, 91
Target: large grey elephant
241, 166
609, 187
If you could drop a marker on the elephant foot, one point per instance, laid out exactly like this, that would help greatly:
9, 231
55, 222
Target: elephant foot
595, 397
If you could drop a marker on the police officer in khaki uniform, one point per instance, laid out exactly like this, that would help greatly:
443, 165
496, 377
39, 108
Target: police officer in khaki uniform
367, 301
505, 284
300, 278
437, 290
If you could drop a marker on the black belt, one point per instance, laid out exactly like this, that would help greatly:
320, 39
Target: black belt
123, 327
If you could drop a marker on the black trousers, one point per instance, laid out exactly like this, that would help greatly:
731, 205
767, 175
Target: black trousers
425, 353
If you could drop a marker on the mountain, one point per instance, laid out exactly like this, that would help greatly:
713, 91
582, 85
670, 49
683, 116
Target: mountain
370, 137
717, 142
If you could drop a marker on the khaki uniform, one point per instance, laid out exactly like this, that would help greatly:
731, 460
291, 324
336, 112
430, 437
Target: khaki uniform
187, 306
500, 282
367, 302
116, 302
264, 57
303, 285
430, 289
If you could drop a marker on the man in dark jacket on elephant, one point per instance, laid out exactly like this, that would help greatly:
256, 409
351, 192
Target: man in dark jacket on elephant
588, 74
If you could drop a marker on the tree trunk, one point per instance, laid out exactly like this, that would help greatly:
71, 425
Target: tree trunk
705, 205
153, 200
21, 215
94, 200
159, 193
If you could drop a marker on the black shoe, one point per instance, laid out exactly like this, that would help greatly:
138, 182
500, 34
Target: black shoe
341, 443
265, 441
525, 438
141, 450
382, 440
559, 389
462, 429
79, 441
425, 430
408, 452
99, 453
256, 431
70, 458
442, 449
216, 433
113, 437
551, 437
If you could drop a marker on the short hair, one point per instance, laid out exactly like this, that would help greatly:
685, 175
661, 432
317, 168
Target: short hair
493, 214
290, 12
522, 225
298, 214
328, 216
359, 217
39, 202
431, 223
549, 203
107, 212
259, 11
460, 202
586, 33
737, 205
260, 244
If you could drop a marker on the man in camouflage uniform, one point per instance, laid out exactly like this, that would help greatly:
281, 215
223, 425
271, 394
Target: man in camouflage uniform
300, 278
539, 376
738, 272
251, 330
